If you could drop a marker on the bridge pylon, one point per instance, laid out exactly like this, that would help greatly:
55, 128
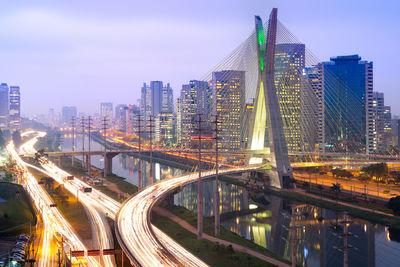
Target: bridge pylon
266, 110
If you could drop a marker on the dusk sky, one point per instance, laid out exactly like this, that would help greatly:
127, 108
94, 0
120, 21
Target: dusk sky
82, 53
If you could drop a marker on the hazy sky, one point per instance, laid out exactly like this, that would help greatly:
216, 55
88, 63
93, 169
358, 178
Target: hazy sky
84, 52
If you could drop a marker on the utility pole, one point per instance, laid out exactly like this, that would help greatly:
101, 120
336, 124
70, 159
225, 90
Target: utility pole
73, 139
216, 189
346, 234
151, 126
105, 143
83, 141
89, 161
293, 233
139, 133
199, 186
294, 236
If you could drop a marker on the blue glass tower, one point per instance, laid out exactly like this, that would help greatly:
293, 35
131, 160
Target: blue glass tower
348, 85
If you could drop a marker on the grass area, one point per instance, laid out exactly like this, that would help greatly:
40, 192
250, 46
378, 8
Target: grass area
120, 182
208, 228
210, 253
69, 207
16, 212
354, 212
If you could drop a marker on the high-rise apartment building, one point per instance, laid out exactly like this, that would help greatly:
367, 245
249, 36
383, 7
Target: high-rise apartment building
395, 131
15, 109
178, 120
164, 128
106, 111
289, 64
196, 98
51, 118
67, 113
4, 106
387, 129
131, 120
347, 84
229, 95
378, 122
120, 117
156, 99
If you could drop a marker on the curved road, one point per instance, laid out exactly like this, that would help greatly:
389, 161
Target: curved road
142, 242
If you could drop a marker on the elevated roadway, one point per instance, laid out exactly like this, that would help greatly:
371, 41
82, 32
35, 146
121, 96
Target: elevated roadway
140, 239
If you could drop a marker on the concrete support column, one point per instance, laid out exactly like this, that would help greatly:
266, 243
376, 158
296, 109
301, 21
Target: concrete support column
108, 156
60, 161
89, 164
72, 160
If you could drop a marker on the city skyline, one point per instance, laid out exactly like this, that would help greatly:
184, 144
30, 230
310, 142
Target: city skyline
62, 61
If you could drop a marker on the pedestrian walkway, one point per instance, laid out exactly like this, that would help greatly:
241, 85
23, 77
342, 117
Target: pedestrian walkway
236, 247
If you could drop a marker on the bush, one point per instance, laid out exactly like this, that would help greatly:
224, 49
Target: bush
394, 204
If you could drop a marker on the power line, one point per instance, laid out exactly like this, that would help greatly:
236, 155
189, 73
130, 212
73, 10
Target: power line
139, 134
199, 185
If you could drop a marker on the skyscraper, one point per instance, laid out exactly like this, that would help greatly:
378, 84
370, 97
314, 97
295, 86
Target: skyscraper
131, 119
347, 84
164, 128
120, 117
387, 129
178, 120
156, 99
289, 64
67, 113
378, 121
196, 98
15, 109
106, 111
4, 106
229, 94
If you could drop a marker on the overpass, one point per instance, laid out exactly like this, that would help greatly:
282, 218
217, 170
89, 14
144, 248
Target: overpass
136, 234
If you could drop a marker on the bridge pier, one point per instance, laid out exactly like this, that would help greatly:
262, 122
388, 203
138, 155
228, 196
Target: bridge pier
89, 164
60, 161
108, 156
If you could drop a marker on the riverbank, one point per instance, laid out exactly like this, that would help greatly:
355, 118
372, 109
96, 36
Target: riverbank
180, 224
352, 210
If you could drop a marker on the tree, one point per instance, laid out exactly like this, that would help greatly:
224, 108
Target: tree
341, 173
378, 170
394, 204
364, 178
336, 188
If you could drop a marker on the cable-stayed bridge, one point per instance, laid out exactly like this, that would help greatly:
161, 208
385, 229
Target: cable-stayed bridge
268, 106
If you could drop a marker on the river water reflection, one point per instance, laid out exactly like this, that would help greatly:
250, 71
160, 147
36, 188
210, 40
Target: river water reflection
318, 242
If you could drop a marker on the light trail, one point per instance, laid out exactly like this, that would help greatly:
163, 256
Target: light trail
156, 248
146, 244
52, 219
91, 202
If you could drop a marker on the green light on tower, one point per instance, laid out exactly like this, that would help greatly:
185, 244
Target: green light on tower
261, 42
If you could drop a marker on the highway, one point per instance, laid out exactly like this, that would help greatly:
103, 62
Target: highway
143, 242
111, 207
53, 221
97, 212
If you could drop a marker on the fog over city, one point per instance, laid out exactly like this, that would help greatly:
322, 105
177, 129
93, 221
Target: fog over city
85, 52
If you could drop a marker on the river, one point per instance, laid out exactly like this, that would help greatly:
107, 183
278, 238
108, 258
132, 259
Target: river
319, 239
